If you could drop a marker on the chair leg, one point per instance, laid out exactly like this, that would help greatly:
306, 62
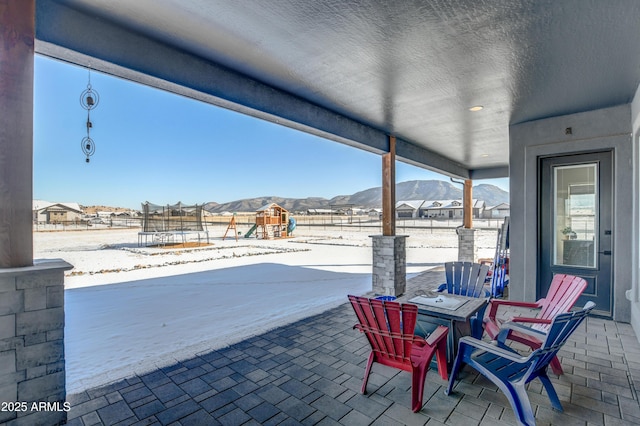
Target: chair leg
553, 396
519, 400
420, 362
556, 366
367, 371
441, 359
457, 365
418, 376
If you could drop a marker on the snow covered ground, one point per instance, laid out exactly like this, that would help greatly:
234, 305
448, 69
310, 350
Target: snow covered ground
132, 309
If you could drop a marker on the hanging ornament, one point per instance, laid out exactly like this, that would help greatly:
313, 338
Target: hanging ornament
89, 99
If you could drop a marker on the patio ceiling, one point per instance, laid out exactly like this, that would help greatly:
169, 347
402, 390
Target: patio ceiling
355, 71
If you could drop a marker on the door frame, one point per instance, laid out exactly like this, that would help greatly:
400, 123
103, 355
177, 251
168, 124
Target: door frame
547, 165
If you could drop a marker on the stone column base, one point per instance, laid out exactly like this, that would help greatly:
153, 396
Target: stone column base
32, 369
389, 265
467, 249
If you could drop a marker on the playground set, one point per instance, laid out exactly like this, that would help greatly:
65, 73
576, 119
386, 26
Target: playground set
272, 222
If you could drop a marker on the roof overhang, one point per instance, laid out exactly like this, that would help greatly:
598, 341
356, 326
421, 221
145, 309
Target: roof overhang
356, 73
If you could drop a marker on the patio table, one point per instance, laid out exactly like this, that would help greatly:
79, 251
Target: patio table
453, 311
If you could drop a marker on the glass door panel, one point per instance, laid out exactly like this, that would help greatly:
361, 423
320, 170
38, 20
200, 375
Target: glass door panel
575, 215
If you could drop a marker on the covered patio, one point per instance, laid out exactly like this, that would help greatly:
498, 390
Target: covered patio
310, 372
474, 90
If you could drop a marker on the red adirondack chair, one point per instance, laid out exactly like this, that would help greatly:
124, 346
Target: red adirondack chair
389, 327
562, 295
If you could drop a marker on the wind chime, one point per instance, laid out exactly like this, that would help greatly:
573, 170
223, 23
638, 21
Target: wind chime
89, 99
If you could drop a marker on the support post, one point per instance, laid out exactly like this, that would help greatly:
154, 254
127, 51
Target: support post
467, 204
32, 365
17, 35
389, 250
467, 249
389, 189
389, 265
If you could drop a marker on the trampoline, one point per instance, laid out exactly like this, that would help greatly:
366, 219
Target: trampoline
168, 224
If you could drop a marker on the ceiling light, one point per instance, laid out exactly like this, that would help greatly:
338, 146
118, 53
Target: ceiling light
484, 155
476, 108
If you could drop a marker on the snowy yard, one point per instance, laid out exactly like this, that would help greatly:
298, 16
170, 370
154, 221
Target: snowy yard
131, 309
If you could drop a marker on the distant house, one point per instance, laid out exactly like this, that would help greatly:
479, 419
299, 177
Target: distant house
47, 212
326, 212
478, 208
126, 214
432, 209
408, 209
374, 213
442, 209
497, 212
449, 209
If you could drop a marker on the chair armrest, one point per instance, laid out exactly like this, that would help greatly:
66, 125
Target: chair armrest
489, 347
438, 334
510, 326
495, 303
531, 320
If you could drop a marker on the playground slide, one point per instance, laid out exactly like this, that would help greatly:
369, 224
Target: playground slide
250, 231
291, 226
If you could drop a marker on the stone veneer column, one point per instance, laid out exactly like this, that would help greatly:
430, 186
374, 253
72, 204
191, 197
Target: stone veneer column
467, 249
32, 368
389, 265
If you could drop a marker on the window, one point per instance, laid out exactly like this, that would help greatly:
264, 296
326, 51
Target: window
575, 215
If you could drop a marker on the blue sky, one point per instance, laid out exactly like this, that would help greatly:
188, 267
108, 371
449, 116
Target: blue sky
163, 148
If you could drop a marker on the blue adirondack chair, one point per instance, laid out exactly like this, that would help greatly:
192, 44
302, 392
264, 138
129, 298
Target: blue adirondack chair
499, 278
511, 371
467, 279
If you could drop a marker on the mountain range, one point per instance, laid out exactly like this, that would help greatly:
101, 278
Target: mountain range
369, 198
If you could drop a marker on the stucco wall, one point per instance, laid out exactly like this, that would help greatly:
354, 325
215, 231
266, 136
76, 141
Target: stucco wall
596, 130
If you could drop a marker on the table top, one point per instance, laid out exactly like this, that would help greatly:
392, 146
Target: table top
466, 310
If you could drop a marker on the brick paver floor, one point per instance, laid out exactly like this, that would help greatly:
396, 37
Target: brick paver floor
310, 373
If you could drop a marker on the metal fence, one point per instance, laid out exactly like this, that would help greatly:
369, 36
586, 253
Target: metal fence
357, 222
84, 225
302, 221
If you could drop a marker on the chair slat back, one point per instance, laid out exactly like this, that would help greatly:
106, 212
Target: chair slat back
562, 295
560, 329
465, 278
498, 279
388, 325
